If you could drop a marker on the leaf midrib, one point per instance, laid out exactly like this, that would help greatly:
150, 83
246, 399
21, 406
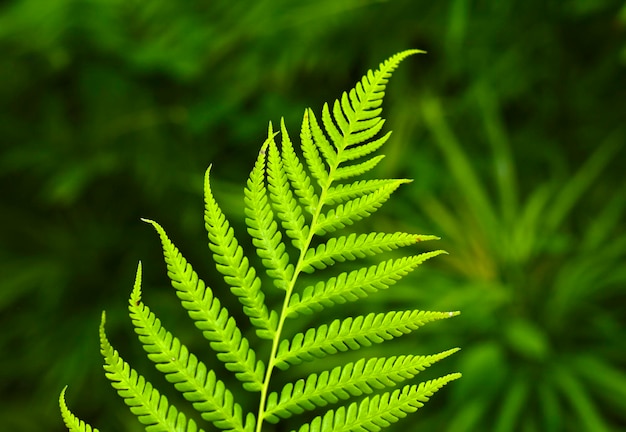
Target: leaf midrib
300, 264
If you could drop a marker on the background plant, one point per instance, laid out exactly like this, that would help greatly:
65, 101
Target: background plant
530, 271
94, 94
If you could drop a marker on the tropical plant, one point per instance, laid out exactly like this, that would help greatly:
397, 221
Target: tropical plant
286, 199
540, 274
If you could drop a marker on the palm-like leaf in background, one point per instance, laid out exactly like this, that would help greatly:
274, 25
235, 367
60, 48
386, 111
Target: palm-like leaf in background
530, 278
286, 199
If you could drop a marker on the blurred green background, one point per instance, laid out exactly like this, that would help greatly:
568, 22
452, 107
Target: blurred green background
513, 126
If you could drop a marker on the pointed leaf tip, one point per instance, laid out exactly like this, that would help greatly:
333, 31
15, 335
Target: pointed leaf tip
412, 51
73, 423
135, 296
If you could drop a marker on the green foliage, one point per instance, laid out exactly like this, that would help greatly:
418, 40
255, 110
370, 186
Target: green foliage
111, 111
527, 279
71, 421
283, 201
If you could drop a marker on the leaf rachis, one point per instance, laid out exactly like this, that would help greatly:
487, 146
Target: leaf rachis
294, 198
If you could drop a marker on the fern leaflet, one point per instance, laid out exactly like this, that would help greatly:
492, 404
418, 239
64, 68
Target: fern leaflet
352, 247
73, 423
208, 395
231, 262
354, 285
214, 320
373, 414
352, 333
353, 379
145, 401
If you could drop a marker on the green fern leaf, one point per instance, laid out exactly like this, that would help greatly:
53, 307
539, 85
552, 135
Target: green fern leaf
343, 382
231, 262
352, 333
289, 204
355, 284
373, 414
151, 408
209, 396
284, 203
311, 150
298, 179
319, 139
354, 116
342, 192
365, 149
214, 320
354, 170
356, 209
73, 423
352, 247
261, 222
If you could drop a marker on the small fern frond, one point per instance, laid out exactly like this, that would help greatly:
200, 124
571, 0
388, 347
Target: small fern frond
343, 382
355, 284
351, 247
144, 401
73, 423
351, 334
191, 377
262, 226
379, 411
211, 317
234, 265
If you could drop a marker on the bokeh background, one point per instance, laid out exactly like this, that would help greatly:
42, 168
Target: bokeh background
513, 126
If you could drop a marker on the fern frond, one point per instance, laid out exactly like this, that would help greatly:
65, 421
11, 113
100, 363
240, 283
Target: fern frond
298, 179
354, 170
365, 149
343, 382
73, 423
355, 284
351, 247
211, 317
234, 265
373, 414
262, 226
144, 401
284, 203
191, 377
356, 209
343, 191
352, 333
291, 198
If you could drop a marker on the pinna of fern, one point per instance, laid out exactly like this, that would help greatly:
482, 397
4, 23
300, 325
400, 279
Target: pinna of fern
293, 209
